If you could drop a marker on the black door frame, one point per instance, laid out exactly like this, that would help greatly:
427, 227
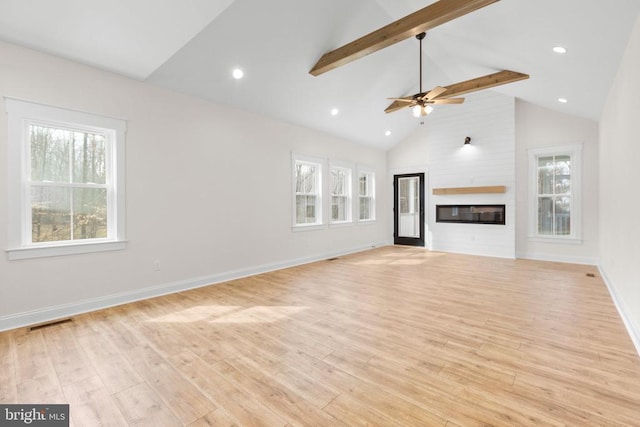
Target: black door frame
411, 241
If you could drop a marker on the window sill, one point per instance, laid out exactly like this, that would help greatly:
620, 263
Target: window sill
60, 250
340, 224
312, 227
556, 240
366, 221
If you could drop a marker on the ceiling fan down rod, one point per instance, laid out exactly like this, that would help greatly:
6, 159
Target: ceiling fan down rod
420, 37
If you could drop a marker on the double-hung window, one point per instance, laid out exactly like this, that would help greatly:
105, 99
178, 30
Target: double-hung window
307, 181
340, 194
555, 189
366, 196
66, 180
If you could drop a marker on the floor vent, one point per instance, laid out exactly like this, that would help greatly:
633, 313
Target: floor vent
46, 325
591, 275
333, 259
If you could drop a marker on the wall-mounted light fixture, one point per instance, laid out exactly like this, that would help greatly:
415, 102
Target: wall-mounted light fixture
467, 140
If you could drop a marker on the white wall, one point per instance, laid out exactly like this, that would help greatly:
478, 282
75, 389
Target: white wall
619, 178
538, 127
208, 193
489, 119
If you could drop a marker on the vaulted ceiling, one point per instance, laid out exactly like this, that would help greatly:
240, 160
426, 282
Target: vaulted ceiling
191, 46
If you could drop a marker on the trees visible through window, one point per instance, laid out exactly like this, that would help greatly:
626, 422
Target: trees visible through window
555, 192
366, 195
340, 194
308, 193
554, 195
67, 184
66, 181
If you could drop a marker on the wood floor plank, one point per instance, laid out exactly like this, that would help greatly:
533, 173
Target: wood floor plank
245, 409
36, 377
348, 408
114, 369
179, 394
91, 404
8, 385
279, 398
143, 407
217, 418
391, 336
66, 355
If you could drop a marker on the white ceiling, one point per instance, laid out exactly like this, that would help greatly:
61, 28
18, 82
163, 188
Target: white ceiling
191, 46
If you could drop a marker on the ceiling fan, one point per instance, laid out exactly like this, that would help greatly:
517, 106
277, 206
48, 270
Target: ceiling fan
421, 101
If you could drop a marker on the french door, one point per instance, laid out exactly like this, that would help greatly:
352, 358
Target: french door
408, 209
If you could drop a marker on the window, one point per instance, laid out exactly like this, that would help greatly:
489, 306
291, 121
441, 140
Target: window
555, 190
66, 181
307, 178
340, 194
366, 196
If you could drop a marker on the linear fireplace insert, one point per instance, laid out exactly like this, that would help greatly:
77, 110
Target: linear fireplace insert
471, 214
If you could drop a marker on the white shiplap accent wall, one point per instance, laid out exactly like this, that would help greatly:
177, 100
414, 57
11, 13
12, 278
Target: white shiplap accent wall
489, 119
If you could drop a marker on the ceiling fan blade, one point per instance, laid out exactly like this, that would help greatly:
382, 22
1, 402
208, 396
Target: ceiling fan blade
395, 106
447, 101
484, 82
423, 20
406, 99
434, 93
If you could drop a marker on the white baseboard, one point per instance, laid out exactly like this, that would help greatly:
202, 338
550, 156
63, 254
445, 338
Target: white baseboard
34, 317
632, 328
558, 258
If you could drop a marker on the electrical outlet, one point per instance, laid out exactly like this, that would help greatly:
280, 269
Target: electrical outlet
156, 265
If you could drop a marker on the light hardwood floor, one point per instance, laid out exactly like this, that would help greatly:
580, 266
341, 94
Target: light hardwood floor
394, 336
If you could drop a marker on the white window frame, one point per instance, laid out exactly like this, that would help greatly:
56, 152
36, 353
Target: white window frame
20, 114
575, 152
319, 164
371, 173
348, 168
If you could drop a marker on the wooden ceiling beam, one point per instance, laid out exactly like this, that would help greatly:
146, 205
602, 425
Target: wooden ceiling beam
485, 82
421, 21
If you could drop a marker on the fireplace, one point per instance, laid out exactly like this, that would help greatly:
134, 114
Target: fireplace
471, 214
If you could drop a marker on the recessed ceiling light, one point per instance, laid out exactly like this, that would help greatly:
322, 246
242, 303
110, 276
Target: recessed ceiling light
334, 111
562, 100
238, 73
560, 49
387, 133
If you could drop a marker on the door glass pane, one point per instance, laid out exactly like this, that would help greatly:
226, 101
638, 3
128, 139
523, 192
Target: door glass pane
403, 195
50, 214
409, 207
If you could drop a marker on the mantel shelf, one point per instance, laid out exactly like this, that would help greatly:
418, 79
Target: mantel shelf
469, 190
